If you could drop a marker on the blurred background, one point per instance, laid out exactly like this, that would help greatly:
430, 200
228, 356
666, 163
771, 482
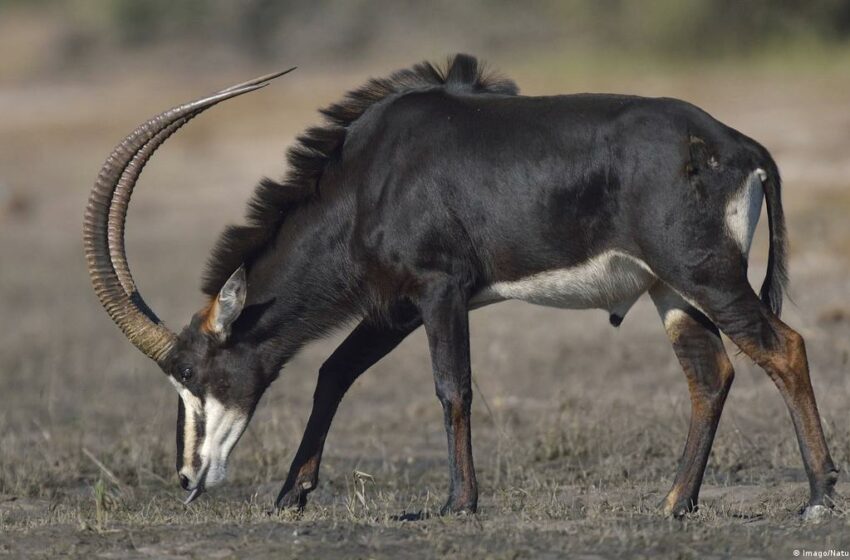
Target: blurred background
77, 75
80, 36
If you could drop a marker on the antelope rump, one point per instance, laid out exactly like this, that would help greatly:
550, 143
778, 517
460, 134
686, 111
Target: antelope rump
438, 190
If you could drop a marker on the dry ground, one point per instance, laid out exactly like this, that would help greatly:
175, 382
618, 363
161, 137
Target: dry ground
578, 426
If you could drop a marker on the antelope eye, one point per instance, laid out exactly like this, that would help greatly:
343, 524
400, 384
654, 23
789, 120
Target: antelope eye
186, 374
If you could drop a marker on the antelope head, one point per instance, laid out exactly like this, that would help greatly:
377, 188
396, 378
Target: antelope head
219, 382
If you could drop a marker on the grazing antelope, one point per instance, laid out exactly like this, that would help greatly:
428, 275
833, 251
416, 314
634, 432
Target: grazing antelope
432, 192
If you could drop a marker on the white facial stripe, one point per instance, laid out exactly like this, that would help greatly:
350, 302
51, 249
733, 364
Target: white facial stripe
193, 409
223, 429
188, 436
743, 209
236, 428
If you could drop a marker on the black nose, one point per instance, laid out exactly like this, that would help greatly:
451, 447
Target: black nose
184, 481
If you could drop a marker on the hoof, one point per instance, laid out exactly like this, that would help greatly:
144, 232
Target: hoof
815, 513
458, 508
291, 501
679, 509
681, 512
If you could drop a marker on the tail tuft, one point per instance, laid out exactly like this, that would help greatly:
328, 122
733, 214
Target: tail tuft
776, 279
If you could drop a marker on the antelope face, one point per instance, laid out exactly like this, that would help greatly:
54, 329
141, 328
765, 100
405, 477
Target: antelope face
219, 383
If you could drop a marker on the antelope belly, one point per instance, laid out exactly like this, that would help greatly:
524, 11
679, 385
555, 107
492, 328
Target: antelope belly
612, 281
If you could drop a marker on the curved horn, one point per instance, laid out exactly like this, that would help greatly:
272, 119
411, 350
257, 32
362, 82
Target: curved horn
132, 171
103, 228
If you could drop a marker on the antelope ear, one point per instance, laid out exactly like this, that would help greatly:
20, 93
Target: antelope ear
228, 304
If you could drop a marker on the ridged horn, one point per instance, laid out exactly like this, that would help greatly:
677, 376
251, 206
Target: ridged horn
106, 213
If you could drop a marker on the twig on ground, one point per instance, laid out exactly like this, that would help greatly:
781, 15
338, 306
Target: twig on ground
103, 468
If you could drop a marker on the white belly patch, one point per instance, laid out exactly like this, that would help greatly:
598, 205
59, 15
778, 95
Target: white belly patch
612, 281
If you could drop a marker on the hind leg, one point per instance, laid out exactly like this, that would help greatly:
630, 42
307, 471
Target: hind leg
709, 372
781, 352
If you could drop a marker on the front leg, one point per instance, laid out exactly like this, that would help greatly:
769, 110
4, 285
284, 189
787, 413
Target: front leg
364, 347
445, 316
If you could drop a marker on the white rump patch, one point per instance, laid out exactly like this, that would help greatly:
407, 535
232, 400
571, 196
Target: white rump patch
612, 281
743, 209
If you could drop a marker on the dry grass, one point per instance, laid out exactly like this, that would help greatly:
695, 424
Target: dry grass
582, 427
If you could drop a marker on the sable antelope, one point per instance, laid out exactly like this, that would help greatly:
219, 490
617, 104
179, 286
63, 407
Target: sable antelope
432, 192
